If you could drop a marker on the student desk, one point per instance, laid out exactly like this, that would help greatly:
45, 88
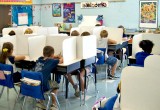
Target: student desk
68, 68
115, 47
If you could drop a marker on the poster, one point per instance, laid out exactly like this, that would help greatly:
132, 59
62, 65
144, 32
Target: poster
148, 14
69, 12
56, 10
22, 18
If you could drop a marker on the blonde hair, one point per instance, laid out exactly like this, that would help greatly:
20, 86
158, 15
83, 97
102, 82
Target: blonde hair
28, 31
104, 34
85, 33
75, 33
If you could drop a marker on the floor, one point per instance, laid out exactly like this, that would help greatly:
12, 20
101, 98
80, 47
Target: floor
105, 87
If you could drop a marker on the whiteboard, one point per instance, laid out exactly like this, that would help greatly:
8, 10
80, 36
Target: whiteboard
22, 18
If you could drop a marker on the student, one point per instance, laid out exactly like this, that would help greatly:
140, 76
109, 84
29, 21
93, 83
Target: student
7, 57
103, 42
82, 71
75, 33
46, 65
146, 46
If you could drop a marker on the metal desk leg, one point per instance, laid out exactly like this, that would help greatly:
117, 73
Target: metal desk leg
80, 87
85, 86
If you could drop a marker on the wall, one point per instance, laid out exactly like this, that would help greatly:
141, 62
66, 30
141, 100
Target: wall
36, 12
124, 13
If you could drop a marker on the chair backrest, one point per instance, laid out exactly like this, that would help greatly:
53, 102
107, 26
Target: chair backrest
29, 90
140, 86
7, 71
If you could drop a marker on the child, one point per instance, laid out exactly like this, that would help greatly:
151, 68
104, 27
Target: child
6, 57
75, 33
110, 60
146, 46
46, 65
85, 33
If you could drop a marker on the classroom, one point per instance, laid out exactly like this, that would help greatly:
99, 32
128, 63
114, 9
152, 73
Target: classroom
79, 54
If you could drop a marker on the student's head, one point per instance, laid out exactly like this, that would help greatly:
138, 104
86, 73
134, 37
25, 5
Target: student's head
48, 51
146, 46
75, 33
12, 33
104, 34
28, 31
7, 50
85, 33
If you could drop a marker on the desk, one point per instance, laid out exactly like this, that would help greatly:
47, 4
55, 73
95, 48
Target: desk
68, 68
115, 47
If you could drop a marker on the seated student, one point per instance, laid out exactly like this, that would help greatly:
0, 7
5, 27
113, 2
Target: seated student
75, 33
110, 60
7, 57
46, 65
146, 46
82, 71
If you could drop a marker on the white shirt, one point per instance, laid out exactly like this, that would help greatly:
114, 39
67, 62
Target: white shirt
103, 43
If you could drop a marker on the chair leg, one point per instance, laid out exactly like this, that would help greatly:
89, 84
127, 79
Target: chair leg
16, 100
23, 102
87, 82
53, 94
49, 101
7, 94
2, 91
62, 83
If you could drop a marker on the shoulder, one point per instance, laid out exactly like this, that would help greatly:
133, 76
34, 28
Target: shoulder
11, 59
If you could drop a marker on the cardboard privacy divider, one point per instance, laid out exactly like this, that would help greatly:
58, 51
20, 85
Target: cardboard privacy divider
140, 86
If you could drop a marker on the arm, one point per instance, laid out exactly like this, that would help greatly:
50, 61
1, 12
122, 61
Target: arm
60, 60
110, 41
18, 58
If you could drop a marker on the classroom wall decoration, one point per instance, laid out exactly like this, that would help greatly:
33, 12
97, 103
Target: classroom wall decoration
16, 2
69, 12
56, 10
148, 14
22, 15
94, 4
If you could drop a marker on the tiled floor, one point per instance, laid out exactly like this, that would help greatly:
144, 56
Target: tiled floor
105, 87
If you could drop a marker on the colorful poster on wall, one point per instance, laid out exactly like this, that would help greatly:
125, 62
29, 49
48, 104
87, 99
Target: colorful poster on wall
23, 18
148, 14
56, 10
16, 2
69, 12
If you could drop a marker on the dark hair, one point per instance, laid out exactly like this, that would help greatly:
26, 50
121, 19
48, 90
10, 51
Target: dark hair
12, 33
85, 33
98, 25
48, 51
120, 26
75, 33
104, 34
146, 45
6, 51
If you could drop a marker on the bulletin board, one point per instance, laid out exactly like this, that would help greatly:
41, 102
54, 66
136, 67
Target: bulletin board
16, 2
22, 15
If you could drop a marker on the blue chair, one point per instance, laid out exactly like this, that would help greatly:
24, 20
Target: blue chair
101, 59
35, 92
6, 79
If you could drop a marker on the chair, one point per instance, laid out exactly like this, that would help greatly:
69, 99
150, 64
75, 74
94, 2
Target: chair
101, 59
36, 91
6, 78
